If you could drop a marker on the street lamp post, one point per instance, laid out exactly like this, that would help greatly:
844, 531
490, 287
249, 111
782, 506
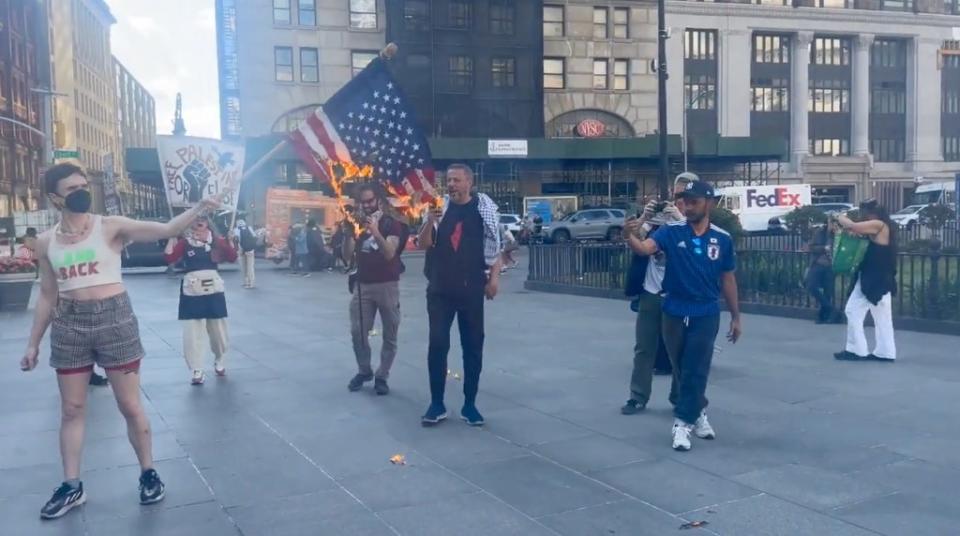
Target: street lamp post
662, 97
686, 107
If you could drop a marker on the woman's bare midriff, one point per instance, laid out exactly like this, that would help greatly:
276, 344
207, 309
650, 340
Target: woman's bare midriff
100, 292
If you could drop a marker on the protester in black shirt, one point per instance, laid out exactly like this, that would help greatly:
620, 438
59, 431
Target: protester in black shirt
462, 241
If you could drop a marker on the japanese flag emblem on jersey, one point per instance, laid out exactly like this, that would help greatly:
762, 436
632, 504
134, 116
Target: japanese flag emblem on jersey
713, 252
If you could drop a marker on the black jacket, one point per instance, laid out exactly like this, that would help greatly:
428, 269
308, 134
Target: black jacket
636, 275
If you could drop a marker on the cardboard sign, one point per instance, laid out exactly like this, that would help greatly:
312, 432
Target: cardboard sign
195, 168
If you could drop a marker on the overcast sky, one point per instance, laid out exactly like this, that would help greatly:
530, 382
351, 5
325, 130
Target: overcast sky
171, 46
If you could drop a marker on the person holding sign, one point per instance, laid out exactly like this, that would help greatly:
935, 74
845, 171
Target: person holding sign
83, 297
875, 285
203, 304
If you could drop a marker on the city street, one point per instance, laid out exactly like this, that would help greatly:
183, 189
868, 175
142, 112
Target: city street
806, 445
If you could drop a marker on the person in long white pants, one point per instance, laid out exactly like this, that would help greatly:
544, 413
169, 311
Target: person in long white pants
857, 307
876, 284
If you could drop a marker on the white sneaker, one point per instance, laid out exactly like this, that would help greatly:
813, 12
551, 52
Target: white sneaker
681, 435
702, 428
218, 367
197, 378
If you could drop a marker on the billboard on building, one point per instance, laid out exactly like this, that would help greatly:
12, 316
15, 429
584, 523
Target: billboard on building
195, 168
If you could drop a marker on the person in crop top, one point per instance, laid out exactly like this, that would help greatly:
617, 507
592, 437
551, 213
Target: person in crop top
82, 296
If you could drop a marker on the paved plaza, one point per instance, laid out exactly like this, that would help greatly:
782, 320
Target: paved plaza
806, 445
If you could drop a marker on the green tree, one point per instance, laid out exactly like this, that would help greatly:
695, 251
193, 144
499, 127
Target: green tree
935, 218
728, 221
803, 219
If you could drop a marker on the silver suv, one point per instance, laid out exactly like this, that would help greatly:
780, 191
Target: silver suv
589, 224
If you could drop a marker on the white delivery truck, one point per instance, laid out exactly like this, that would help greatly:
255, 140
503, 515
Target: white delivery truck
756, 206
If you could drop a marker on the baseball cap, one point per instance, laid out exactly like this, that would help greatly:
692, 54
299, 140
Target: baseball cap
698, 189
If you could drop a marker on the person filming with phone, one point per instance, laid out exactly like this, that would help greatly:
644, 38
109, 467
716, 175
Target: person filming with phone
700, 266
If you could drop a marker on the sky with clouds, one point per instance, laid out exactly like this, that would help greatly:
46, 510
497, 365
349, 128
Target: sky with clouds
170, 46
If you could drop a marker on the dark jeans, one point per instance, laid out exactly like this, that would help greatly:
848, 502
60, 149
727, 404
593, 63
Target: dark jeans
649, 351
689, 342
441, 310
820, 285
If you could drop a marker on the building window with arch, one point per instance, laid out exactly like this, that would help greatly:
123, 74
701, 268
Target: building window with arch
566, 124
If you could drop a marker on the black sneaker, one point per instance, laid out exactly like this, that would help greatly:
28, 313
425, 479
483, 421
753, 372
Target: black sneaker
65, 498
98, 380
632, 407
471, 416
380, 387
357, 382
151, 487
849, 356
435, 413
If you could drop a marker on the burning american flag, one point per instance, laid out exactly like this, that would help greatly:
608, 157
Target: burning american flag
369, 125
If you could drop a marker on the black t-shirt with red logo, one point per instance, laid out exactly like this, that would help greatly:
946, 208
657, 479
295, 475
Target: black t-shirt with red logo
456, 263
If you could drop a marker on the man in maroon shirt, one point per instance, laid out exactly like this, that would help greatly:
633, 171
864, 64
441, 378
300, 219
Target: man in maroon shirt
375, 286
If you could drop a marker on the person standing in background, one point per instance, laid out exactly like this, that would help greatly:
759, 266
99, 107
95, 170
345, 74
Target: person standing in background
247, 244
820, 277
203, 304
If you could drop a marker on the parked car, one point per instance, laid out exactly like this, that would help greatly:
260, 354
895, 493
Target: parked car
909, 216
512, 222
588, 224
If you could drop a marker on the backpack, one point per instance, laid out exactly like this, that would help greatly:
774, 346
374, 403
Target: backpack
248, 242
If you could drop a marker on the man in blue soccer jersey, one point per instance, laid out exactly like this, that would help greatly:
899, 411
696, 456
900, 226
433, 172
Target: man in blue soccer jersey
700, 265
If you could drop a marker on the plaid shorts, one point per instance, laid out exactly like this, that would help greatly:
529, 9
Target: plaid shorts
85, 332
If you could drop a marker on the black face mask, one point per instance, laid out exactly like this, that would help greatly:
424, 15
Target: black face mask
78, 201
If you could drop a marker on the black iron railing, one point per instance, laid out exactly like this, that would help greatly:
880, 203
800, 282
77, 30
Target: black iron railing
928, 285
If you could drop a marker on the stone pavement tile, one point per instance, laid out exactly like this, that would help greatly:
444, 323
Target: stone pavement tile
32, 479
915, 477
21, 517
412, 484
259, 470
212, 425
17, 421
592, 453
528, 427
945, 452
810, 486
324, 512
353, 454
905, 513
648, 428
764, 515
33, 448
116, 492
762, 389
117, 451
206, 519
538, 487
626, 518
474, 514
671, 485
459, 445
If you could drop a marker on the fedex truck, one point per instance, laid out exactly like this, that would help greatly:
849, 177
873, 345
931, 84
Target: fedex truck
757, 205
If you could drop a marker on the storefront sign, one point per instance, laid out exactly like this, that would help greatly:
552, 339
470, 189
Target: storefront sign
507, 148
591, 128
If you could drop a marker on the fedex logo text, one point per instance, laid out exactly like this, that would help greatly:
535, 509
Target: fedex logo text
781, 197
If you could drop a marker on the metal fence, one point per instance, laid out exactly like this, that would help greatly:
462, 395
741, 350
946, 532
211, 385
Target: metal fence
928, 285
949, 238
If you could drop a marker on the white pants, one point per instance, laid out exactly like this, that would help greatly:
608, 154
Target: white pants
197, 333
246, 264
857, 307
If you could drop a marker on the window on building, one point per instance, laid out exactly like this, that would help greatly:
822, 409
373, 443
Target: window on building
898, 5
461, 73
418, 61
502, 16
621, 75
460, 14
281, 11
888, 53
951, 102
359, 59
307, 12
554, 73
416, 15
309, 65
771, 48
888, 150
700, 92
830, 51
363, 14
770, 95
283, 64
504, 72
889, 98
830, 147
830, 96
600, 80
600, 15
835, 4
700, 45
553, 21
951, 148
621, 23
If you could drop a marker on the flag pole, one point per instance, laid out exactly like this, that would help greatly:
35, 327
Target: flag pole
262, 161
